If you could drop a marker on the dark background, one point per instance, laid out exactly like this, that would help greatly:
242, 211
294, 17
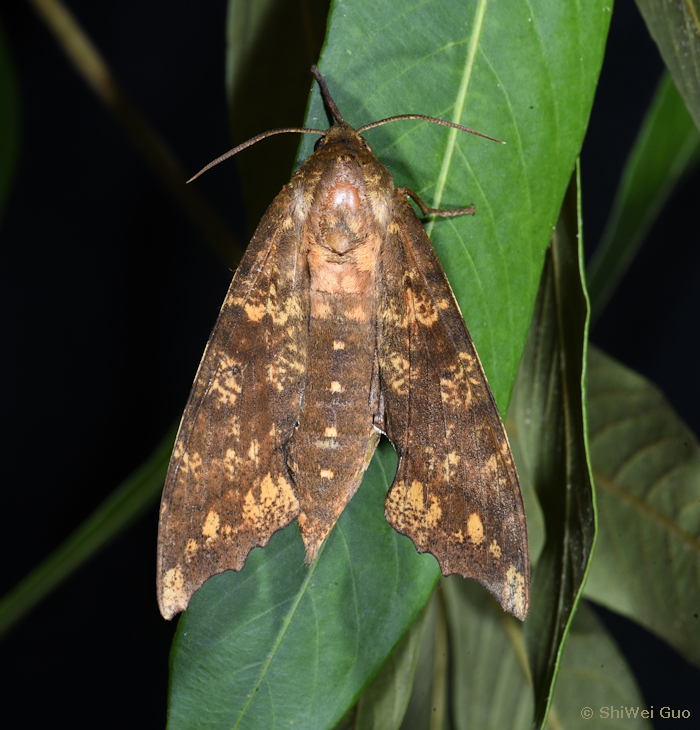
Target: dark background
108, 296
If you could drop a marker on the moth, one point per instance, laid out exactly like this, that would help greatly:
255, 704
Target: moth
340, 326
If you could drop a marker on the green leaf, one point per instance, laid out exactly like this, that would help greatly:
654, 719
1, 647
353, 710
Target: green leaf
675, 26
594, 675
490, 680
666, 148
302, 650
428, 707
9, 120
646, 466
547, 420
281, 643
382, 705
491, 687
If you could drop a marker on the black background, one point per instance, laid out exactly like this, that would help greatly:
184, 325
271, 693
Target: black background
104, 323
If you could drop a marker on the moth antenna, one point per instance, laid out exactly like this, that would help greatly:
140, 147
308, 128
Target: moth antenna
257, 138
327, 95
425, 118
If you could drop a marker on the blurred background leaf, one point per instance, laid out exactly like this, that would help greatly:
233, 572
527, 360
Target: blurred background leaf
676, 29
490, 683
270, 46
667, 148
646, 465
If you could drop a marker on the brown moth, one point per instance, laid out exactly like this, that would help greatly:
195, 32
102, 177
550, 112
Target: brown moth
340, 326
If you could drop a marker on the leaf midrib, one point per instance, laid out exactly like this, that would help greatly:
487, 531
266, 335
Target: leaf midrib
460, 104
280, 636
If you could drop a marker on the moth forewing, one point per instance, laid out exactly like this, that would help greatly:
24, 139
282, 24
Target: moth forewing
339, 325
228, 487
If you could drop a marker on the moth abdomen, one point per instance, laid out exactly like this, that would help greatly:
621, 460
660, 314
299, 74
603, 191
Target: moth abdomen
332, 445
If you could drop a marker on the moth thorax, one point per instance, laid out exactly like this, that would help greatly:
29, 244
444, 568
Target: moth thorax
343, 195
340, 216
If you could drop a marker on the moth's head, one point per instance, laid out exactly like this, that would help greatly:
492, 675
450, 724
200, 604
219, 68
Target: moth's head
341, 138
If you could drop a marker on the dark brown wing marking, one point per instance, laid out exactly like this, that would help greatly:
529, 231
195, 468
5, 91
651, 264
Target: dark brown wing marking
228, 488
456, 493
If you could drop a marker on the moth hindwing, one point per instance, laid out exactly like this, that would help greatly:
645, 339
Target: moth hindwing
340, 325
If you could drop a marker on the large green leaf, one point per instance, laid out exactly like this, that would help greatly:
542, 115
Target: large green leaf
548, 423
667, 147
675, 26
491, 688
646, 466
301, 651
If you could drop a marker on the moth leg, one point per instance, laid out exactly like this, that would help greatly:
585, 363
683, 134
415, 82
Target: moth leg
435, 211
